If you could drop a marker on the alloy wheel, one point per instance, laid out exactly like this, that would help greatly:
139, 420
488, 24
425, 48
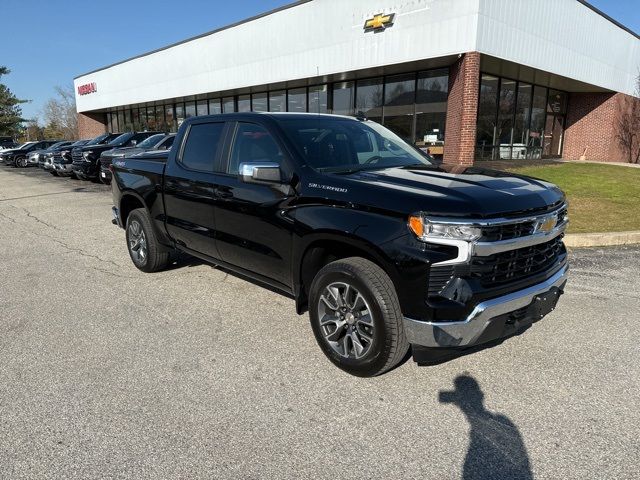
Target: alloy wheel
345, 320
137, 242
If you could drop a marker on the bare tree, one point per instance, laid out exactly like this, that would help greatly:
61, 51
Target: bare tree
628, 125
60, 114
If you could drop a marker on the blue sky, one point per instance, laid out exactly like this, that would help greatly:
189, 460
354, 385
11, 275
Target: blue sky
48, 42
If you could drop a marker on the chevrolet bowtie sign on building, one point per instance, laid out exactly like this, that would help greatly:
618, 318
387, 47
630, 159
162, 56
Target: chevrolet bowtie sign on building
379, 22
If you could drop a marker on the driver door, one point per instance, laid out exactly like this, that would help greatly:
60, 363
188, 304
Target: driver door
252, 231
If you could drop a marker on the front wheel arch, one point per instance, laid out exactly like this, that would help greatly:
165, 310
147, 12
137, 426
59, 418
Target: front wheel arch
325, 249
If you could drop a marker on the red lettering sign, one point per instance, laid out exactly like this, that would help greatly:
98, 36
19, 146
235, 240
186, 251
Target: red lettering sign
87, 88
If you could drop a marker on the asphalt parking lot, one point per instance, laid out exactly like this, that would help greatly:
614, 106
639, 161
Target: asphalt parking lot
107, 372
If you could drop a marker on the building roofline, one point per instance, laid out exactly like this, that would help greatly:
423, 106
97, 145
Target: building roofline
611, 19
295, 4
206, 34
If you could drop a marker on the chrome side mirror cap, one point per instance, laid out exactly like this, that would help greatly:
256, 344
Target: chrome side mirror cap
260, 172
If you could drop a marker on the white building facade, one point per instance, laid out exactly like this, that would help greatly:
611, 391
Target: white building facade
467, 79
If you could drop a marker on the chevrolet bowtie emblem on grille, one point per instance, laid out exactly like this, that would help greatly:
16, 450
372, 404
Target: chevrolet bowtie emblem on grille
547, 224
379, 22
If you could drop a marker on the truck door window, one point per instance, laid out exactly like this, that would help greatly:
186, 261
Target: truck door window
201, 146
253, 143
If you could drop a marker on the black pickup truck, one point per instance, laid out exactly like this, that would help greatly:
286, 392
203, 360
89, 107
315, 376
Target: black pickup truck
384, 249
86, 159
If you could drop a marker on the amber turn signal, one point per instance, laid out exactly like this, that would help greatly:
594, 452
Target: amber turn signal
416, 225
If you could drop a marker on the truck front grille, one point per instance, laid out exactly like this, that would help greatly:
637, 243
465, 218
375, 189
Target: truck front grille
77, 157
503, 268
509, 231
516, 265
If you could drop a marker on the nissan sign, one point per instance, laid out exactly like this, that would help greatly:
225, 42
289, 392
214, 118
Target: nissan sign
87, 88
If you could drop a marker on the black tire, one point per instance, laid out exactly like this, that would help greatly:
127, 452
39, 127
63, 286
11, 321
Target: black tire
21, 162
54, 173
156, 256
388, 345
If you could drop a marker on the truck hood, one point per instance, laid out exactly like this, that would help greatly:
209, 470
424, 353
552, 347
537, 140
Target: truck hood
452, 191
122, 151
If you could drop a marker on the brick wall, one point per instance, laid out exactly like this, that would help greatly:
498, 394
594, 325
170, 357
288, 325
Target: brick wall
91, 124
462, 110
592, 127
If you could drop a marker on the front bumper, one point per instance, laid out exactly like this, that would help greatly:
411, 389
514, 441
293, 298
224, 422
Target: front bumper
491, 319
105, 174
84, 170
63, 168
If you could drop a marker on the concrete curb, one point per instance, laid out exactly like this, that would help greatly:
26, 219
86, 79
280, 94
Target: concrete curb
577, 240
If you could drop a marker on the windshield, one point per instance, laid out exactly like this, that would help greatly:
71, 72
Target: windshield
79, 143
151, 141
343, 145
98, 139
116, 142
25, 145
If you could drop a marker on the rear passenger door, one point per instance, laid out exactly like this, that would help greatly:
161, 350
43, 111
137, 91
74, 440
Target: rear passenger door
253, 231
189, 190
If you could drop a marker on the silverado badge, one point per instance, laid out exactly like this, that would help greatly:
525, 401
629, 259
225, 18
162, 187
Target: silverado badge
379, 22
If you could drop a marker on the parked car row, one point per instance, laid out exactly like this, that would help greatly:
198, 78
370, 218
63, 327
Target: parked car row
7, 143
87, 159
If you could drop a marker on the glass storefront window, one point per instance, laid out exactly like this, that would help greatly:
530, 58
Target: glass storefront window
228, 105
521, 125
244, 103
487, 116
202, 108
170, 119
278, 101
135, 119
343, 98
297, 100
110, 122
190, 109
179, 113
538, 112
121, 125
319, 99
557, 102
431, 109
127, 120
151, 118
214, 106
506, 110
399, 105
369, 98
260, 102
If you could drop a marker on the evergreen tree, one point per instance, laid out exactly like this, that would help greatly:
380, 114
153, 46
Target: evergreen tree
10, 111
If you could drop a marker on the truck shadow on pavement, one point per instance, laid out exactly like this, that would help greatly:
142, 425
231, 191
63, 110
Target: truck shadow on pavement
496, 449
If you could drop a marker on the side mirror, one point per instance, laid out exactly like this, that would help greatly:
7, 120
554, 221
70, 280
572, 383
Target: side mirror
260, 172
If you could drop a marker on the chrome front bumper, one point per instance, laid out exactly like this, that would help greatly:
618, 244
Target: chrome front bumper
470, 331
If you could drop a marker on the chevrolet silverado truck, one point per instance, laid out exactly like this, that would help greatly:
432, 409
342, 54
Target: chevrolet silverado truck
386, 251
86, 159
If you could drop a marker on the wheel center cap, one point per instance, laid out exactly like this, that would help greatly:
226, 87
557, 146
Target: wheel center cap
350, 318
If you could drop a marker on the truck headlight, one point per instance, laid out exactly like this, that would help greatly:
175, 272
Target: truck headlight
88, 156
426, 229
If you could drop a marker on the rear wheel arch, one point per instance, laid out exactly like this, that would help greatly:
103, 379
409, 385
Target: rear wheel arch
129, 203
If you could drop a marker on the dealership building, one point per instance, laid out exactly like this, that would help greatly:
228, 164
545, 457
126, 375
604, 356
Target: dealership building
469, 80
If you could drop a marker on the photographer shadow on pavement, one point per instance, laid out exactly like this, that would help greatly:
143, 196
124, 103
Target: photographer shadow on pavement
496, 449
